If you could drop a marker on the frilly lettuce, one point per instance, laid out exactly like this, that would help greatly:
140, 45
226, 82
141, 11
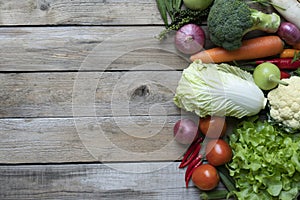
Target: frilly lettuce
265, 163
218, 89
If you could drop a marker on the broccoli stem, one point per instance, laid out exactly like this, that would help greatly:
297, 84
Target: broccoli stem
264, 22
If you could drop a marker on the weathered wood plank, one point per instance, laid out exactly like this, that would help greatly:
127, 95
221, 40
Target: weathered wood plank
95, 181
83, 12
87, 12
105, 139
88, 94
67, 48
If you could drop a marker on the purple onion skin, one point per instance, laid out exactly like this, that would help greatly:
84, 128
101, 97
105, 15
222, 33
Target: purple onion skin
289, 33
190, 39
185, 131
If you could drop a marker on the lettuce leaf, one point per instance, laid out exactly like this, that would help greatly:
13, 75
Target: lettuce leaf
265, 162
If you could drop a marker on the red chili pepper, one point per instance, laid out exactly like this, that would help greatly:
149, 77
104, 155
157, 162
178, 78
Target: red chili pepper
282, 63
284, 74
189, 171
191, 153
194, 154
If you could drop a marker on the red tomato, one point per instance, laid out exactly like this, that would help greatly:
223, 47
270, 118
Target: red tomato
206, 177
213, 126
218, 152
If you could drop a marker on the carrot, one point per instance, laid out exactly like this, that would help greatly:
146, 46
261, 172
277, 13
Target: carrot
289, 53
297, 45
251, 49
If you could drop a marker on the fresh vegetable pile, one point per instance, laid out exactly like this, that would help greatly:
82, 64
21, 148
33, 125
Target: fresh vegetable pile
253, 82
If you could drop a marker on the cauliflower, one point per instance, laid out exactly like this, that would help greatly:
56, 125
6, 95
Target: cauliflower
284, 103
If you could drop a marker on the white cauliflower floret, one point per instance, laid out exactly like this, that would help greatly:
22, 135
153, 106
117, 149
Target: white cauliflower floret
285, 103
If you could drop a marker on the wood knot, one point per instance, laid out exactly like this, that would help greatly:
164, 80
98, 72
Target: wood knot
43, 5
141, 91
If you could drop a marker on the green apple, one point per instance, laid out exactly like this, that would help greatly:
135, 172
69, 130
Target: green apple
197, 4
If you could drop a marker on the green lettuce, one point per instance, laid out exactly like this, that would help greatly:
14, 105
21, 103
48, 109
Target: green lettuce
218, 89
265, 163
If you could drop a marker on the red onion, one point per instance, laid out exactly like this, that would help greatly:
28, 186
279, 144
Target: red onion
289, 33
185, 131
189, 39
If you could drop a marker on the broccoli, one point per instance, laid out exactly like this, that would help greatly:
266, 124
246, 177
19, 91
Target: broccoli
229, 20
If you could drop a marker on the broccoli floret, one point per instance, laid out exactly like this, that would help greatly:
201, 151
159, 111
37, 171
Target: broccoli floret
229, 20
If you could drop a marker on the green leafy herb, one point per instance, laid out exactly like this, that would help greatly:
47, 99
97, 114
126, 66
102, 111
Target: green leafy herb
296, 72
296, 56
168, 7
266, 162
179, 17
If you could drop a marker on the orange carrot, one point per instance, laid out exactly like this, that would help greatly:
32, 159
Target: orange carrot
251, 49
297, 45
289, 53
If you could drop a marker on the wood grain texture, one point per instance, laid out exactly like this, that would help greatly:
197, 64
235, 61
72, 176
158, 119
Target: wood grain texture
161, 180
67, 48
105, 139
88, 94
84, 12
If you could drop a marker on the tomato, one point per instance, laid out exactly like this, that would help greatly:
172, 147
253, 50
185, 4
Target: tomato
206, 177
213, 126
218, 152
197, 4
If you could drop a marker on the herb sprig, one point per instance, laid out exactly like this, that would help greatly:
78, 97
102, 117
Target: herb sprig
173, 10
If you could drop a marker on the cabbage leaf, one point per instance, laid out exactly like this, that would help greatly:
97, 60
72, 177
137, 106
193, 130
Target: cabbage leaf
218, 89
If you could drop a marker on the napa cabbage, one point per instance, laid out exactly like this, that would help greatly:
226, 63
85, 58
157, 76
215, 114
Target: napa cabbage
218, 89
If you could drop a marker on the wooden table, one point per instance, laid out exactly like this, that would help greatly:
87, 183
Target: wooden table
86, 102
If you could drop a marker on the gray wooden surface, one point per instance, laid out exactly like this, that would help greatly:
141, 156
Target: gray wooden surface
86, 106
94, 181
